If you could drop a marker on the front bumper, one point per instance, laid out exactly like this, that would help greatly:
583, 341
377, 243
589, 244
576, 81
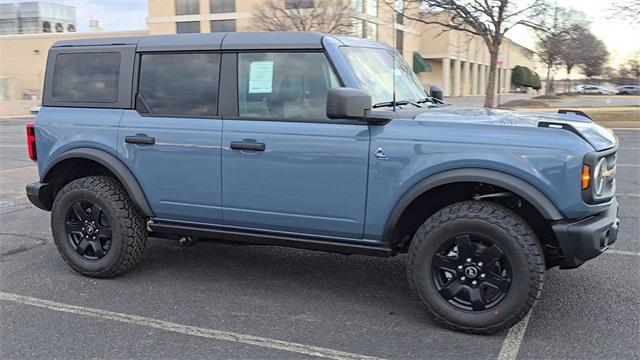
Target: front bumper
585, 239
40, 195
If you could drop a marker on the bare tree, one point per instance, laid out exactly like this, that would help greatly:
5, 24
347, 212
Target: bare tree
628, 10
557, 29
631, 65
571, 51
548, 51
328, 16
594, 55
488, 19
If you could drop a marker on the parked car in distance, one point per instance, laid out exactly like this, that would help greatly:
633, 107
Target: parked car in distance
578, 88
628, 90
592, 89
230, 137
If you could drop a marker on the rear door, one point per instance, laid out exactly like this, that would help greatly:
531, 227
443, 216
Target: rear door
286, 166
171, 141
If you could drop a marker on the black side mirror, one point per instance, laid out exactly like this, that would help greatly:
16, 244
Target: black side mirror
436, 93
348, 103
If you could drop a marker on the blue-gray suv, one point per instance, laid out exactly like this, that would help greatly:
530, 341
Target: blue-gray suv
319, 142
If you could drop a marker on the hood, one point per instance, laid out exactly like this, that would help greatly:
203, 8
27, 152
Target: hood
597, 136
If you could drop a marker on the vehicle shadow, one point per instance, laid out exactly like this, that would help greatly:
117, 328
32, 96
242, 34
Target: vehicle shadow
283, 275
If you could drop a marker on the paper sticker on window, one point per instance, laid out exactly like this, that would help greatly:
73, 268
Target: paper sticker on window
261, 77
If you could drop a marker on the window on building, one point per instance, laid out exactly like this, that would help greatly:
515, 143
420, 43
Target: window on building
86, 77
357, 28
71, 28
186, 27
184, 84
46, 27
222, 6
223, 25
59, 27
187, 7
28, 26
298, 4
371, 31
4, 89
399, 8
371, 7
400, 41
279, 86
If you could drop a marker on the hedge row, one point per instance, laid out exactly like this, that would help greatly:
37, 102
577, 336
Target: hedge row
523, 76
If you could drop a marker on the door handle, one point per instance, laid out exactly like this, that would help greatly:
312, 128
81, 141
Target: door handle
140, 139
247, 145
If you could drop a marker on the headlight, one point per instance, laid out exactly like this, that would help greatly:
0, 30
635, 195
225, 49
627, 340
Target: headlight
599, 176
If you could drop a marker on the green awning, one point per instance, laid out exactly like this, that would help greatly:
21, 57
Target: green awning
420, 64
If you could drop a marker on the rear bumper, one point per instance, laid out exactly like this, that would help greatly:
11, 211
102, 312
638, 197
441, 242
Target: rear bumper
585, 239
40, 195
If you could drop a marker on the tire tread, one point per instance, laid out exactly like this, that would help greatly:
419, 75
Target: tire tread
507, 220
133, 224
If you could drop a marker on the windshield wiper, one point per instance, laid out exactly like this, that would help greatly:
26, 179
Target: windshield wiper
391, 103
432, 100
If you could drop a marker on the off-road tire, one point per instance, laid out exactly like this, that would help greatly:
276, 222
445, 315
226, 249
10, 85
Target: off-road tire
129, 233
521, 248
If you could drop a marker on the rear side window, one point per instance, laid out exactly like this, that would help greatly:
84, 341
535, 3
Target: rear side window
184, 84
86, 77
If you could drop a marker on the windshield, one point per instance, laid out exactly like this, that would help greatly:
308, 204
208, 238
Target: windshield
373, 67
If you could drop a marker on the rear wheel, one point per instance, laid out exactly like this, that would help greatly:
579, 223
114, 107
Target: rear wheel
96, 227
476, 266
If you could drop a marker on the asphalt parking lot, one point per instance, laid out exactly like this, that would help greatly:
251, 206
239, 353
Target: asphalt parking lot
251, 302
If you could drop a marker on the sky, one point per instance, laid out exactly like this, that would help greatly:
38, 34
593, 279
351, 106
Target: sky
620, 37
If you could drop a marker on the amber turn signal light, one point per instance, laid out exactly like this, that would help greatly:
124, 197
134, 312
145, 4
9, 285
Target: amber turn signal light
586, 176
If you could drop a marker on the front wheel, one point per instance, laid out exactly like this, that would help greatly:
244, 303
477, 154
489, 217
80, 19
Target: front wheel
476, 266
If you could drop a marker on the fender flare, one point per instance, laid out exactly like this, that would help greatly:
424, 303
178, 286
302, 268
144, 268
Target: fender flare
115, 166
509, 182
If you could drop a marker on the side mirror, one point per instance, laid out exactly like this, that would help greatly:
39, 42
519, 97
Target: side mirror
436, 93
348, 103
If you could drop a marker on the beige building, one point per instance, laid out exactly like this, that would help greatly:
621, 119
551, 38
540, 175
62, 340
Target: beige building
22, 63
459, 62
454, 61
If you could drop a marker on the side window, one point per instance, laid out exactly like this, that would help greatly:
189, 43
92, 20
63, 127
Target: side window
90, 77
284, 86
184, 84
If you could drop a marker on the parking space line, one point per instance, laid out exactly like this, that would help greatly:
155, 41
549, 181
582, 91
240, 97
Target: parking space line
511, 344
184, 329
625, 129
622, 252
632, 165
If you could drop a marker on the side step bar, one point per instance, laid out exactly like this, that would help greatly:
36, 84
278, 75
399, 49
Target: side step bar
169, 228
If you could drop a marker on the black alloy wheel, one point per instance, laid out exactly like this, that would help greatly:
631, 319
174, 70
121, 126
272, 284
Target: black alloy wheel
471, 272
88, 230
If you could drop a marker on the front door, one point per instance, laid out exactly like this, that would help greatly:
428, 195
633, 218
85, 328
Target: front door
171, 142
286, 166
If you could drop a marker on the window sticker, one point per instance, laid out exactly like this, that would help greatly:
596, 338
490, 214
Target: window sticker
261, 77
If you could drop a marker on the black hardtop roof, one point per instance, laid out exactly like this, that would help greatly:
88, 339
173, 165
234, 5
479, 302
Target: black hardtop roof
210, 41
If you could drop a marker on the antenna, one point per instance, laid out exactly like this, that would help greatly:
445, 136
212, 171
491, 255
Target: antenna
393, 54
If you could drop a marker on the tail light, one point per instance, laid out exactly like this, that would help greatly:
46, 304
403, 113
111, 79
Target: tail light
31, 141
